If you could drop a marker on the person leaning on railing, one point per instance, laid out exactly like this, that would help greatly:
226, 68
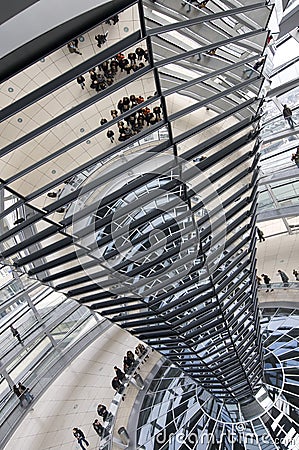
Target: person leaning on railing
25, 392
284, 278
119, 373
102, 411
267, 281
140, 350
98, 427
20, 396
117, 385
130, 357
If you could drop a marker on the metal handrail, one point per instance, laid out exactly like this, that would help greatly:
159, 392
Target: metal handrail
288, 285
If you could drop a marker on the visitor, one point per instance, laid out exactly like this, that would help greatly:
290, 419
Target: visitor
81, 81
287, 114
139, 52
267, 281
284, 278
79, 435
16, 334
255, 67
110, 135
101, 39
73, 48
260, 234
117, 385
296, 274
295, 157
102, 411
25, 393
98, 427
18, 393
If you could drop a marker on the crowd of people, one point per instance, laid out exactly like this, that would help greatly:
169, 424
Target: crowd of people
128, 364
134, 122
105, 73
267, 280
118, 385
284, 278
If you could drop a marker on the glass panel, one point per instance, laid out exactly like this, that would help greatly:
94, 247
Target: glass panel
293, 223
28, 358
68, 330
286, 51
86, 324
271, 227
288, 192
265, 201
271, 110
288, 74
5, 276
50, 302
291, 98
62, 60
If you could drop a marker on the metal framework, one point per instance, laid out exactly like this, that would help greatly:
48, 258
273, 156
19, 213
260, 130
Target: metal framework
159, 238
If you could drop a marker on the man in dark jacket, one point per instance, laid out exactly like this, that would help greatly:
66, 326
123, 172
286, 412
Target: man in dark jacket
110, 135
139, 52
98, 427
79, 435
284, 278
119, 373
287, 114
18, 394
25, 393
102, 411
117, 385
81, 81
260, 234
267, 282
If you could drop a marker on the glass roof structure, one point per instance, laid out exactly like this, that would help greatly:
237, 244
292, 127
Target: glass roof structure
167, 230
146, 214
